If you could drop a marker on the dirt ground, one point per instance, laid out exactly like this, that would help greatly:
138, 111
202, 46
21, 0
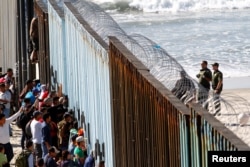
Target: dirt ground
15, 140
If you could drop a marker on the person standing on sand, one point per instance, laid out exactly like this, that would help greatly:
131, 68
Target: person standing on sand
204, 76
5, 131
217, 85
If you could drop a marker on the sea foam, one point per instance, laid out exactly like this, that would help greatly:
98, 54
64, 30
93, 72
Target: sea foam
180, 5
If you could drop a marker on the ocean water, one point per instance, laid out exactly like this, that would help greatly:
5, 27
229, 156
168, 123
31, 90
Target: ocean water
192, 31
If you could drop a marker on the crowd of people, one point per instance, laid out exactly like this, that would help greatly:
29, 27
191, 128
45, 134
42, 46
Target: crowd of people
46, 126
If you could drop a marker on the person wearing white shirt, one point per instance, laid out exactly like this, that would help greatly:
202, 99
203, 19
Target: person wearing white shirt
5, 98
4, 131
36, 131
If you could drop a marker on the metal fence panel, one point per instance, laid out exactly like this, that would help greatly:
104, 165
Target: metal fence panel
7, 34
147, 117
79, 60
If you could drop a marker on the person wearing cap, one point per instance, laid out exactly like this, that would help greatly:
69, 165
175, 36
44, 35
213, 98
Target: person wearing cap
204, 76
36, 131
4, 131
182, 85
64, 127
49, 159
217, 85
80, 151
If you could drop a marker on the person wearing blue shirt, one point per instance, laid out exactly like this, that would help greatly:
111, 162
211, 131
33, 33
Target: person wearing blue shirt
46, 138
90, 160
50, 158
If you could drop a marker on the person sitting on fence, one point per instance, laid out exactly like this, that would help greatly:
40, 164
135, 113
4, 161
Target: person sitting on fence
182, 85
34, 40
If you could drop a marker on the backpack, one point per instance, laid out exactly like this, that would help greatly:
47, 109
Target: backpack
21, 121
22, 159
28, 129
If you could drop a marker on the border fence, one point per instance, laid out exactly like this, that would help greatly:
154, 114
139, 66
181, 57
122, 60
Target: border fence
130, 118
152, 127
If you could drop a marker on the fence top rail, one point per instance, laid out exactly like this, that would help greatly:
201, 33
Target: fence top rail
58, 9
80, 19
219, 127
42, 6
144, 72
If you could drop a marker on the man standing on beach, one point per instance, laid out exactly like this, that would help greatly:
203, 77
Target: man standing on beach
204, 76
217, 85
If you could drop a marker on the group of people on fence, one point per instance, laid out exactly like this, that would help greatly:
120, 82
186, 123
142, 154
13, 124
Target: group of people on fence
185, 86
50, 133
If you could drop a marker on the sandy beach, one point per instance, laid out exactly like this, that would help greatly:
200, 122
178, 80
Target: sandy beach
238, 102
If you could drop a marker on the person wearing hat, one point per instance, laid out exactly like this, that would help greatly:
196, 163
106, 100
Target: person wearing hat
217, 85
204, 76
4, 131
49, 160
36, 131
80, 152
